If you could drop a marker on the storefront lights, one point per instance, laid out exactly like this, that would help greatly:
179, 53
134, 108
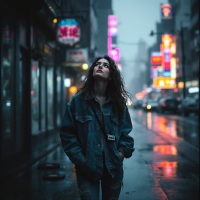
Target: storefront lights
193, 90
85, 66
67, 82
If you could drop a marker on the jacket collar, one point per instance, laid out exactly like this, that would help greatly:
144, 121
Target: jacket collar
93, 97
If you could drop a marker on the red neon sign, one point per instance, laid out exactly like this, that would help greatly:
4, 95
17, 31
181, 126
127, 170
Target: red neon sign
156, 60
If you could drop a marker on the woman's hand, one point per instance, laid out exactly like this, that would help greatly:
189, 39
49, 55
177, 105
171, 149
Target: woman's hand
122, 155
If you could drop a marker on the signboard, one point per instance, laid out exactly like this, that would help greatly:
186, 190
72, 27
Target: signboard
154, 72
114, 54
112, 21
166, 54
166, 11
68, 31
112, 31
164, 83
77, 55
156, 58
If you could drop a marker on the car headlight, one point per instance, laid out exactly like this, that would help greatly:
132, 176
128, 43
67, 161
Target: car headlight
148, 107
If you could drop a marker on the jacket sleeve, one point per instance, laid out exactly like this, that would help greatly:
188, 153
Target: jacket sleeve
126, 142
69, 138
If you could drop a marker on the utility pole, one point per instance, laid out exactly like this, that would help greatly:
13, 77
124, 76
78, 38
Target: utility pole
183, 59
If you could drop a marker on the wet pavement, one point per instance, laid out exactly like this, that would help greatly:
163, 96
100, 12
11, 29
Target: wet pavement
164, 166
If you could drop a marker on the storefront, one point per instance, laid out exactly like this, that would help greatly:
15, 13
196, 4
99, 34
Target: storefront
31, 83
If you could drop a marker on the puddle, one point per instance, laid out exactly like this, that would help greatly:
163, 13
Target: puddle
165, 149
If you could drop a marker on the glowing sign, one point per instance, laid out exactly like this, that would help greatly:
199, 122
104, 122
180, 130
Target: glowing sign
180, 84
77, 55
154, 72
109, 42
173, 48
156, 58
166, 11
112, 31
193, 90
112, 21
164, 83
160, 71
68, 31
166, 53
67, 82
114, 54
166, 40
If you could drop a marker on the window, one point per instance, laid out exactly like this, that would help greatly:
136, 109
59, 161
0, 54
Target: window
50, 106
35, 97
7, 71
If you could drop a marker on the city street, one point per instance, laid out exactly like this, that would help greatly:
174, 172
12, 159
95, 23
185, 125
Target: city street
164, 166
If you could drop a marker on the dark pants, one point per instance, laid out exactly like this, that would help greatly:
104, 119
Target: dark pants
111, 187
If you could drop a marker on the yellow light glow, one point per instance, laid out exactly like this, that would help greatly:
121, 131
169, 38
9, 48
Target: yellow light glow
85, 66
72, 89
148, 107
173, 48
173, 75
164, 83
55, 21
173, 63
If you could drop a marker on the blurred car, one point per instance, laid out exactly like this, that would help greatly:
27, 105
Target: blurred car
150, 104
138, 104
167, 104
188, 105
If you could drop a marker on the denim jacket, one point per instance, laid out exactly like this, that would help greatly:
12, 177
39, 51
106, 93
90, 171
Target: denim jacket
81, 136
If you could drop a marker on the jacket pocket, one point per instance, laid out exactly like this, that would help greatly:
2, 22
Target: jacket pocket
83, 118
116, 120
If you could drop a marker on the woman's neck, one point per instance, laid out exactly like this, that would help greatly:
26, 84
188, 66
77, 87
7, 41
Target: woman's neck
100, 88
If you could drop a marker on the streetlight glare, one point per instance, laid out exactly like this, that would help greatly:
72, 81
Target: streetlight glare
85, 66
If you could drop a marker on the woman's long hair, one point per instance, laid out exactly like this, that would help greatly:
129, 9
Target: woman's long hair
115, 86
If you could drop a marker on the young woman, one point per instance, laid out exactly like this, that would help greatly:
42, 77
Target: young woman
95, 130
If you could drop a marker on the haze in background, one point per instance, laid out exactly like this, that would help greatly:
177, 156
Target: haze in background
136, 19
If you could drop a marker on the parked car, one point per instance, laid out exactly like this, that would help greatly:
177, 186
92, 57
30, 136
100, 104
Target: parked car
138, 104
188, 105
167, 104
151, 104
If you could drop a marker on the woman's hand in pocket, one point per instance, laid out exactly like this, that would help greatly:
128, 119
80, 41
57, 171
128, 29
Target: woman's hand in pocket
122, 155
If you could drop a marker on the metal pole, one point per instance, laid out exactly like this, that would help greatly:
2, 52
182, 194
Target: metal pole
183, 60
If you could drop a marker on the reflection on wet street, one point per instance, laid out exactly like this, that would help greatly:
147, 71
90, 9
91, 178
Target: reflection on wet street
175, 126
165, 165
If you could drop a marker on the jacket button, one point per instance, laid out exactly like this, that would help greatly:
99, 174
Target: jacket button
98, 145
83, 119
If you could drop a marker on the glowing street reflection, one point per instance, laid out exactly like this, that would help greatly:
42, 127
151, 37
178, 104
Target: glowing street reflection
165, 149
149, 120
165, 168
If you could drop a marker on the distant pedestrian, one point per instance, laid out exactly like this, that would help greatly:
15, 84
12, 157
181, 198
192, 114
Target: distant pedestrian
94, 131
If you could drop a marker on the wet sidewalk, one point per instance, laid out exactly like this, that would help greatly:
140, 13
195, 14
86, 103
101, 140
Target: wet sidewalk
161, 168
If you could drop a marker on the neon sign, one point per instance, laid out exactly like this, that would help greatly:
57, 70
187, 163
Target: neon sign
68, 31
114, 54
164, 83
156, 58
166, 11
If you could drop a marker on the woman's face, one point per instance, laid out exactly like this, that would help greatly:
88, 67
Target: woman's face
101, 69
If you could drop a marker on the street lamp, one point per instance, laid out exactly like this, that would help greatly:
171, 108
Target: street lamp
183, 54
